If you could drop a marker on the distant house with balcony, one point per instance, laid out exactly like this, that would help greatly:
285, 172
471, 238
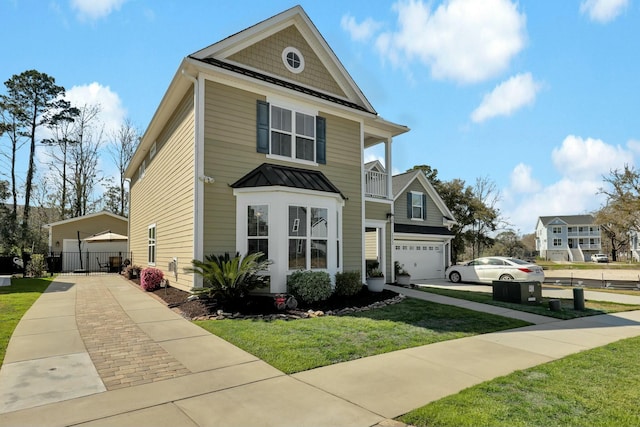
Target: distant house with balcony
568, 237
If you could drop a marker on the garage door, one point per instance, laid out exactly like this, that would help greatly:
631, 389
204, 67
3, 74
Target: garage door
423, 260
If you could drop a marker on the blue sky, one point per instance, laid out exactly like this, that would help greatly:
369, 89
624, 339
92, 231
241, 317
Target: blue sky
542, 97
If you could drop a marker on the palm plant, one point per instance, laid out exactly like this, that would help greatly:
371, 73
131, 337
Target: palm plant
229, 278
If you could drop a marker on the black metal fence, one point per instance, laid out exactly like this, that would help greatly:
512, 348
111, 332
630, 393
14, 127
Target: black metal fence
88, 262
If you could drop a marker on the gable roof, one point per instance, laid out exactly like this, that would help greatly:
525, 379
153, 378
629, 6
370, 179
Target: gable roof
269, 175
401, 182
219, 54
375, 164
88, 216
568, 219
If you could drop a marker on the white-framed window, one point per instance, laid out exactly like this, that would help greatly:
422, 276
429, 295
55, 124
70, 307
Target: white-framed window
293, 134
557, 242
416, 205
151, 245
258, 229
293, 60
556, 230
152, 150
142, 169
308, 233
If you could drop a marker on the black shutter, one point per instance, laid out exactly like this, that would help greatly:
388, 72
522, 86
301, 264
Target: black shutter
409, 206
263, 127
424, 206
321, 140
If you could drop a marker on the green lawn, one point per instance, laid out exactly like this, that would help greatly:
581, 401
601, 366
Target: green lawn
550, 265
15, 300
592, 308
597, 387
294, 346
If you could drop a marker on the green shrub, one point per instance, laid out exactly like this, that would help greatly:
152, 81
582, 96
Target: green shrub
35, 267
348, 283
230, 279
310, 286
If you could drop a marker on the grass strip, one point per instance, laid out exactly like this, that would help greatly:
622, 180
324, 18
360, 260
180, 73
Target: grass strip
592, 308
15, 300
597, 387
294, 346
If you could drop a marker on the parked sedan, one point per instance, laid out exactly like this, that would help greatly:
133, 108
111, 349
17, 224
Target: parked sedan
599, 258
488, 269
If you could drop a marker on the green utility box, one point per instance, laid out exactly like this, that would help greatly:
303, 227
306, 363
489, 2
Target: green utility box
518, 292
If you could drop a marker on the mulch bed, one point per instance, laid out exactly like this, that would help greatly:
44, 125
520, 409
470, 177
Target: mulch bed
264, 305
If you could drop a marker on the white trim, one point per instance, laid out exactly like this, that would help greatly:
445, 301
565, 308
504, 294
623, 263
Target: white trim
283, 189
278, 203
79, 218
382, 246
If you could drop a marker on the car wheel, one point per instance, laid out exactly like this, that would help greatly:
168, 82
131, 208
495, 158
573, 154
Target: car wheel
506, 277
455, 277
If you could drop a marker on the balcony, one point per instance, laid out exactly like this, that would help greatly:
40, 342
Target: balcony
376, 184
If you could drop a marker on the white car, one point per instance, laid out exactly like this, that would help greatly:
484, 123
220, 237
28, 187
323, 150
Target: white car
488, 269
599, 258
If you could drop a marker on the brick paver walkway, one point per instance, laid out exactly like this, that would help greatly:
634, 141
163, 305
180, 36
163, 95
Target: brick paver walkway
122, 353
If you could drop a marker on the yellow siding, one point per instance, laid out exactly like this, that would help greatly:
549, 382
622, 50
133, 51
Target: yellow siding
434, 215
267, 55
378, 211
87, 227
165, 196
230, 153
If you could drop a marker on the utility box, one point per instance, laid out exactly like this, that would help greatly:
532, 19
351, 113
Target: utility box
518, 292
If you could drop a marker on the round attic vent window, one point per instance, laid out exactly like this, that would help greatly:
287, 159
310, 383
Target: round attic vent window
293, 60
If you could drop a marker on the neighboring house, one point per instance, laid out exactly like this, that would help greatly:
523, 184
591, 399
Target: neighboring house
258, 145
634, 245
69, 238
568, 237
422, 227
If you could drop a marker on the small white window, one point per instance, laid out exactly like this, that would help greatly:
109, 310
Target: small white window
152, 151
151, 245
142, 169
293, 60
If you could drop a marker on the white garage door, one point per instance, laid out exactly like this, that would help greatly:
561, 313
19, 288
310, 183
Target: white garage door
423, 260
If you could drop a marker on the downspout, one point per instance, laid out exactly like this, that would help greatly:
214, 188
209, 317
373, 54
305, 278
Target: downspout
390, 196
128, 182
198, 186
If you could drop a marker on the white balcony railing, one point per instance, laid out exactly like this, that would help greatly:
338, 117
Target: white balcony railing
376, 184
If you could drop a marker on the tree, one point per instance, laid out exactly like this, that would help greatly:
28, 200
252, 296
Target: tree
123, 145
62, 138
34, 100
9, 127
83, 157
508, 243
474, 210
621, 214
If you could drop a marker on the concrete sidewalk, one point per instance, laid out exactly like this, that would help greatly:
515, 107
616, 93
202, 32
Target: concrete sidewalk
98, 351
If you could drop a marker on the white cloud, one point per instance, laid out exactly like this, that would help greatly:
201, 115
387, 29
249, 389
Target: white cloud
95, 9
359, 32
462, 40
634, 145
508, 97
603, 11
588, 158
112, 113
581, 164
522, 181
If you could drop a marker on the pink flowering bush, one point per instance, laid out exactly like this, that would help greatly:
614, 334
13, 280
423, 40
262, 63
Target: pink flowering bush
150, 278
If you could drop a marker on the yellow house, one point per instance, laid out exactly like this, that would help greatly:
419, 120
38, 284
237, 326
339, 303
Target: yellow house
258, 145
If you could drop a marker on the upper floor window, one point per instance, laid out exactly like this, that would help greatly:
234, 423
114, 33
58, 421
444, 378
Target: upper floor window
292, 134
556, 230
416, 205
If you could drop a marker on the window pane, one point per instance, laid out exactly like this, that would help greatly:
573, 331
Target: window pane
280, 144
318, 222
305, 125
258, 220
416, 212
297, 221
297, 254
259, 245
318, 254
304, 149
281, 119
